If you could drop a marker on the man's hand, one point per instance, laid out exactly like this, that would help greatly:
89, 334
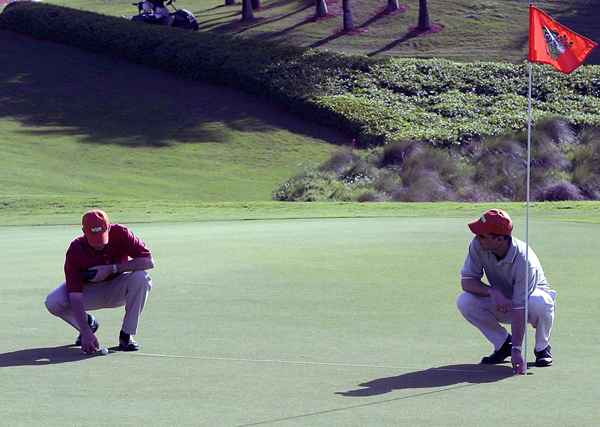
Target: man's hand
518, 362
102, 273
503, 304
89, 342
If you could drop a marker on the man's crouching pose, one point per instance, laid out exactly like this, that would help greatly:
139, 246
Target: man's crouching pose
104, 268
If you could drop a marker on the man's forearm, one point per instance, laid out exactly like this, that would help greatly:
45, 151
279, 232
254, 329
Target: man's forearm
476, 287
518, 327
76, 300
145, 263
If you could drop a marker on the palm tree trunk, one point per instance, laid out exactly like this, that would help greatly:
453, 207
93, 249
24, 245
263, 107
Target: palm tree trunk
321, 9
392, 6
348, 21
424, 23
255, 4
247, 13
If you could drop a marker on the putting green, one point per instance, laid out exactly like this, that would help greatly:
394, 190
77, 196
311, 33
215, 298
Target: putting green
315, 322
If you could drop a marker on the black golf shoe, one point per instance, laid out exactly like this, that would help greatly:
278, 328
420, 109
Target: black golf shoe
94, 325
543, 357
499, 355
126, 343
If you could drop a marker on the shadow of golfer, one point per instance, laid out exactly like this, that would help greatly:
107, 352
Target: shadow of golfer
433, 377
43, 356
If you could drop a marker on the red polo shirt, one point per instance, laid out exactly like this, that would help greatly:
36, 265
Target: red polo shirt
122, 245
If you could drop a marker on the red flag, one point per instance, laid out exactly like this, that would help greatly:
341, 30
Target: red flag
554, 44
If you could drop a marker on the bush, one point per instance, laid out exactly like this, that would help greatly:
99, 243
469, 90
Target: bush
427, 187
586, 164
339, 161
312, 187
486, 171
395, 153
559, 191
371, 196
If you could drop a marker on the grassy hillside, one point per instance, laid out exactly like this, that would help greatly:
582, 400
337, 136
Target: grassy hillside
471, 30
78, 125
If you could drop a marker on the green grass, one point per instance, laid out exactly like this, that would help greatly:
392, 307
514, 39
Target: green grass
472, 30
81, 126
268, 322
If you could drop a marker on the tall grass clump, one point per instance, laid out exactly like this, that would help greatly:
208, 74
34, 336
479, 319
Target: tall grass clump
565, 166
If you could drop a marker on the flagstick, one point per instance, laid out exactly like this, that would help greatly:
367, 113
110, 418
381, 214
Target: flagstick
526, 283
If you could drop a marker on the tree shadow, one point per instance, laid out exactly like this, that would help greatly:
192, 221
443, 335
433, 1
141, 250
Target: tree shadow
359, 29
412, 33
441, 376
57, 90
239, 27
206, 23
44, 356
214, 8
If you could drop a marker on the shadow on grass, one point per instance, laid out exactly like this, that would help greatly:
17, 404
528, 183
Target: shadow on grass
441, 376
411, 34
239, 26
206, 23
382, 13
59, 91
44, 356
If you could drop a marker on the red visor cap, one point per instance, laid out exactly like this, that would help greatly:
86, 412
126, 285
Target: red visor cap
95, 227
494, 221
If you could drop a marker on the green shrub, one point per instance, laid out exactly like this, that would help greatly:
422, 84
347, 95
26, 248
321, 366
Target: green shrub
312, 186
586, 164
565, 166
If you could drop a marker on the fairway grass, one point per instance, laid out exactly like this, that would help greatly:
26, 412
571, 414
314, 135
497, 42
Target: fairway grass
313, 322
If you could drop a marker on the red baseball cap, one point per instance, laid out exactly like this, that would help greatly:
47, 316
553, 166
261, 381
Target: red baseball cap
95, 227
494, 221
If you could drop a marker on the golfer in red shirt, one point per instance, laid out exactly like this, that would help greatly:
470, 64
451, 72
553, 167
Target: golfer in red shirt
104, 268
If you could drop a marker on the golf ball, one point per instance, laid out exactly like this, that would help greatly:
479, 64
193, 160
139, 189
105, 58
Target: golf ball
104, 351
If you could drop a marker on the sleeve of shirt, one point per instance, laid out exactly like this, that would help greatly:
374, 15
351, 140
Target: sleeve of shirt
473, 267
73, 271
136, 248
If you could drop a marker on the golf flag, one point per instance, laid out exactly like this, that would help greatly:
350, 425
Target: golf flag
554, 44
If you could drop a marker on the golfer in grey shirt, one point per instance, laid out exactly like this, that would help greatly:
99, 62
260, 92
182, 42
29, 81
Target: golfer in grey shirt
502, 258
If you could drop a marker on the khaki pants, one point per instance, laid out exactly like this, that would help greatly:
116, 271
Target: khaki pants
129, 289
482, 313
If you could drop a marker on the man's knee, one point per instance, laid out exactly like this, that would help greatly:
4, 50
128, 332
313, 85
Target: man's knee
54, 305
465, 302
141, 280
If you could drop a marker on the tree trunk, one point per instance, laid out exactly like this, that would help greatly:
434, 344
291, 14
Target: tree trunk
247, 13
229, 2
424, 23
392, 6
255, 4
348, 21
321, 9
